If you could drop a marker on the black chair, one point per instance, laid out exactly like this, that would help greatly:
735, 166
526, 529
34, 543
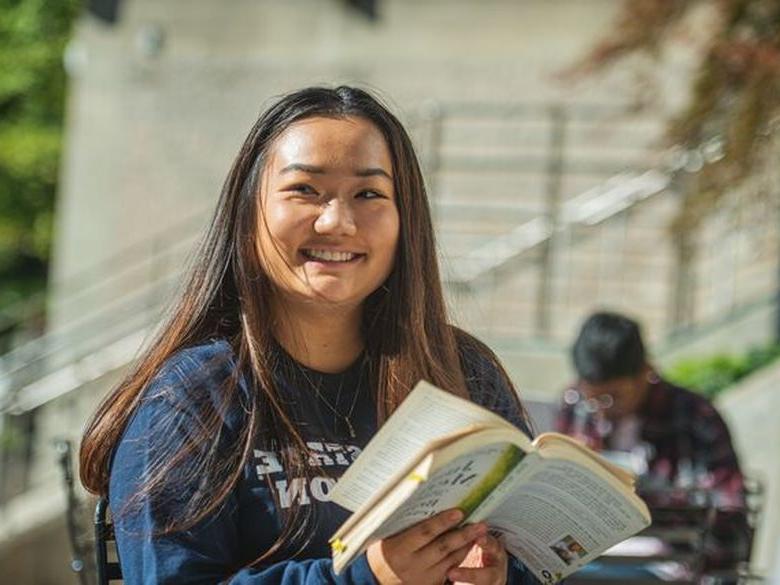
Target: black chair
107, 570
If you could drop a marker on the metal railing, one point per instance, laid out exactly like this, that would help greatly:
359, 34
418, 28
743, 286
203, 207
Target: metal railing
590, 208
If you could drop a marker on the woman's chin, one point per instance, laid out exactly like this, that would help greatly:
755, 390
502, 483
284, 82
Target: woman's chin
329, 298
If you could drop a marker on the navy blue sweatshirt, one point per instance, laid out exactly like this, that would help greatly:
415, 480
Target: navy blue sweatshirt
335, 414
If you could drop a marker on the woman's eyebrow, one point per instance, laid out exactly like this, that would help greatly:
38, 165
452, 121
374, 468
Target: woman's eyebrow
302, 167
313, 169
373, 172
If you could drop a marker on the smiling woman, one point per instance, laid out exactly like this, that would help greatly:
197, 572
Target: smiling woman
313, 307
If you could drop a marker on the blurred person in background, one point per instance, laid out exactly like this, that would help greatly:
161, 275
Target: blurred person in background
673, 438
313, 307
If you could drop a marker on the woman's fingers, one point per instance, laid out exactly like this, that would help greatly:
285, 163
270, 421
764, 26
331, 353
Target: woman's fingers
494, 575
492, 550
440, 548
488, 567
423, 553
474, 558
454, 559
423, 533
476, 576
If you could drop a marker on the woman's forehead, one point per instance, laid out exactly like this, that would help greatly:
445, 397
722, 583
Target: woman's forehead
349, 143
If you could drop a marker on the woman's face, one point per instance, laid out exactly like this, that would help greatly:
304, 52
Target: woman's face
328, 226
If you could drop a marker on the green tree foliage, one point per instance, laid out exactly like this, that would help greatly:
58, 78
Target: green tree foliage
735, 90
712, 374
33, 35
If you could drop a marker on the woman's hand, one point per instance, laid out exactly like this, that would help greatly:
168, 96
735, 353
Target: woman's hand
486, 564
424, 553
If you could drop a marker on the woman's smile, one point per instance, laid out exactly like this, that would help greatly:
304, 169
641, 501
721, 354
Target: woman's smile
331, 256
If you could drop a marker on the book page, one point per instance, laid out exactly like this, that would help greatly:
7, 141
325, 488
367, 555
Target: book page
426, 415
463, 482
559, 445
462, 474
354, 536
560, 516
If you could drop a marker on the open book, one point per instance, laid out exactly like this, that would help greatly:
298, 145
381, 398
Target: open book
555, 504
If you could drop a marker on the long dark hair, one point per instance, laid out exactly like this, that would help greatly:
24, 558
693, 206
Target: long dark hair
227, 295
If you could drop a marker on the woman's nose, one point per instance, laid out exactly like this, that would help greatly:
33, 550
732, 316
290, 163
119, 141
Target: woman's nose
336, 218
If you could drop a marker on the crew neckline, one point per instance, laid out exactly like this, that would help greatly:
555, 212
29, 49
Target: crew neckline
327, 381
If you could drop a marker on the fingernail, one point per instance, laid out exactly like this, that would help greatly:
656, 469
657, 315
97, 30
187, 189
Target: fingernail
455, 516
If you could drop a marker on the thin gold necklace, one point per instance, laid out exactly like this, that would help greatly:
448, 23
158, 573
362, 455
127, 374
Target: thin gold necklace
317, 390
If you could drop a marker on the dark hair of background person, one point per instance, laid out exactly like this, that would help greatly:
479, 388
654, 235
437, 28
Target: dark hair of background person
227, 295
609, 346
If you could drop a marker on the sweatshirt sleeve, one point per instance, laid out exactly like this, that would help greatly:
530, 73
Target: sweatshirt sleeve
488, 386
208, 552
310, 572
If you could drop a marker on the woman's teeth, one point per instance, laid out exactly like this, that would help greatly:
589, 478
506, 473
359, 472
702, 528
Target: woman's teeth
329, 255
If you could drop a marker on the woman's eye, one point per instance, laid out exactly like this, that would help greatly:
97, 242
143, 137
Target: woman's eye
302, 189
369, 194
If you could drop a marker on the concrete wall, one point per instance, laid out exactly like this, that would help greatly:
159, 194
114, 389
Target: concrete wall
41, 556
751, 410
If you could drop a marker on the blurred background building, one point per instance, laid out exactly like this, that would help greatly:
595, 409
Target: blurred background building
552, 197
